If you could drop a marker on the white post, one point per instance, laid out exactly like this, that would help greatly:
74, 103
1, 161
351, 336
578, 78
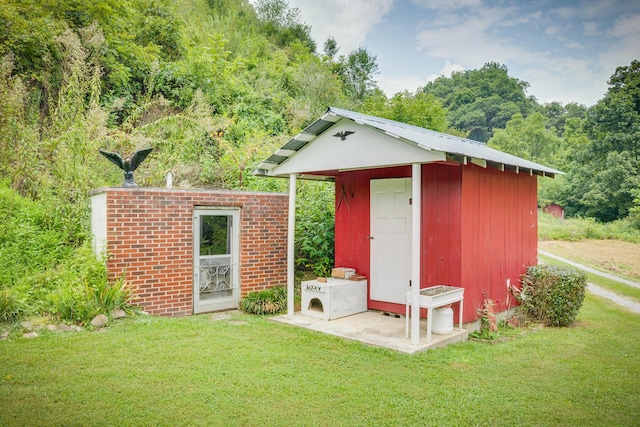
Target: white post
290, 244
416, 181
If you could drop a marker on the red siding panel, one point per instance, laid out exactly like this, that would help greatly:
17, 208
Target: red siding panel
499, 210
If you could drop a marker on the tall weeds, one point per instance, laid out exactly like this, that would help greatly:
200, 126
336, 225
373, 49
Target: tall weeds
573, 229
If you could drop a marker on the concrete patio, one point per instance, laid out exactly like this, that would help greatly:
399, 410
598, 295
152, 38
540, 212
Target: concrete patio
375, 328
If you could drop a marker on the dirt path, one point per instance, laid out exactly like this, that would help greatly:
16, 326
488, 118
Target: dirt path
620, 258
620, 300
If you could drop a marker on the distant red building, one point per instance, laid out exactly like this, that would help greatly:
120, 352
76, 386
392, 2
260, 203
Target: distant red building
555, 210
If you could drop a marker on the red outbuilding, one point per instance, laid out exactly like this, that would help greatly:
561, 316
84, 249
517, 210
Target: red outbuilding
556, 210
417, 208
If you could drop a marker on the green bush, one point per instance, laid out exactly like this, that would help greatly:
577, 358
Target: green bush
315, 224
10, 308
268, 301
83, 290
553, 294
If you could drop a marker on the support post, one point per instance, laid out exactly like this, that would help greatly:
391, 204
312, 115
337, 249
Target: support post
291, 232
416, 183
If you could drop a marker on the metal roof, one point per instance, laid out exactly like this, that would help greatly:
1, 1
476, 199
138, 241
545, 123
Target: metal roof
458, 149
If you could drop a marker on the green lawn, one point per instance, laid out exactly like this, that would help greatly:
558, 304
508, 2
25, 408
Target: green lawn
249, 371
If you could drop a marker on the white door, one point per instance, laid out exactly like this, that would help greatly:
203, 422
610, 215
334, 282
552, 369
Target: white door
216, 281
390, 239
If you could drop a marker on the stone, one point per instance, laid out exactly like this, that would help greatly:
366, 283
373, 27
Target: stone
52, 327
221, 316
118, 314
77, 328
30, 335
100, 321
65, 328
4, 336
27, 325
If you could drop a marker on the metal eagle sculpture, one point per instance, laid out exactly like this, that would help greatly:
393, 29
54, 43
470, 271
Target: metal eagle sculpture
343, 135
128, 165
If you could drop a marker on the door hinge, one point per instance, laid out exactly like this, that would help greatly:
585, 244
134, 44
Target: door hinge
409, 283
410, 200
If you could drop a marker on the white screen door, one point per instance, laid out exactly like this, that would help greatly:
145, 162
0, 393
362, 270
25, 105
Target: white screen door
390, 239
216, 251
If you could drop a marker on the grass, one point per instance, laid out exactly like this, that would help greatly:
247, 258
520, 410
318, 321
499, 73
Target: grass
248, 371
575, 229
614, 256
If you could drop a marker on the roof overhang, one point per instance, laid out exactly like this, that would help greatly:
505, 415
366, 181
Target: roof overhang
342, 140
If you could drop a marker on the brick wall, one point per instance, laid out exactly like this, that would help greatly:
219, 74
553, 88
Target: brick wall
149, 238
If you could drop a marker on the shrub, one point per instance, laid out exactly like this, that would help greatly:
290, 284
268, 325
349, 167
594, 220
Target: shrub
10, 308
315, 225
268, 301
552, 294
83, 289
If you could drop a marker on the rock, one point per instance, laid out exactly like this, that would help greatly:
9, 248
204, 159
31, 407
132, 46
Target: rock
27, 325
118, 314
65, 328
4, 336
30, 335
100, 321
77, 328
52, 327
221, 316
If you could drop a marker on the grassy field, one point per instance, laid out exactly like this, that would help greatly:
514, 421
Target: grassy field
622, 289
615, 256
248, 371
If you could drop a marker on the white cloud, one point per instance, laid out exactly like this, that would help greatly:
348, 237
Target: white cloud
347, 21
574, 45
468, 40
447, 4
625, 34
552, 31
590, 28
391, 85
566, 80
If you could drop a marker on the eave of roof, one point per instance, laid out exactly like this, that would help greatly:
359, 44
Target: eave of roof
460, 150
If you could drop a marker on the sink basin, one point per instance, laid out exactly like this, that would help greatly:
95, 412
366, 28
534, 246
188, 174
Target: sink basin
437, 296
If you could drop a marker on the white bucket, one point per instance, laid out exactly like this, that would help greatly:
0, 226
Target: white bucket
442, 321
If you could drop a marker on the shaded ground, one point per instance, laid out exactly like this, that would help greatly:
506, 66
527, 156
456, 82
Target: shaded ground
618, 257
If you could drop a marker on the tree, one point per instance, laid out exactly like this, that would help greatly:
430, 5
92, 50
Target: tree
479, 101
614, 125
357, 70
604, 191
528, 138
604, 174
284, 23
330, 48
557, 114
417, 109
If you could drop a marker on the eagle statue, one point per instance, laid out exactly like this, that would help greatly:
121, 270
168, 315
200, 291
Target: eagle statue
128, 165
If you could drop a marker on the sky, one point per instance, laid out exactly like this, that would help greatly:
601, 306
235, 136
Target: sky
565, 49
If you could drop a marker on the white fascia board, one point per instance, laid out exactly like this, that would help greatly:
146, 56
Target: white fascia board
479, 162
366, 148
